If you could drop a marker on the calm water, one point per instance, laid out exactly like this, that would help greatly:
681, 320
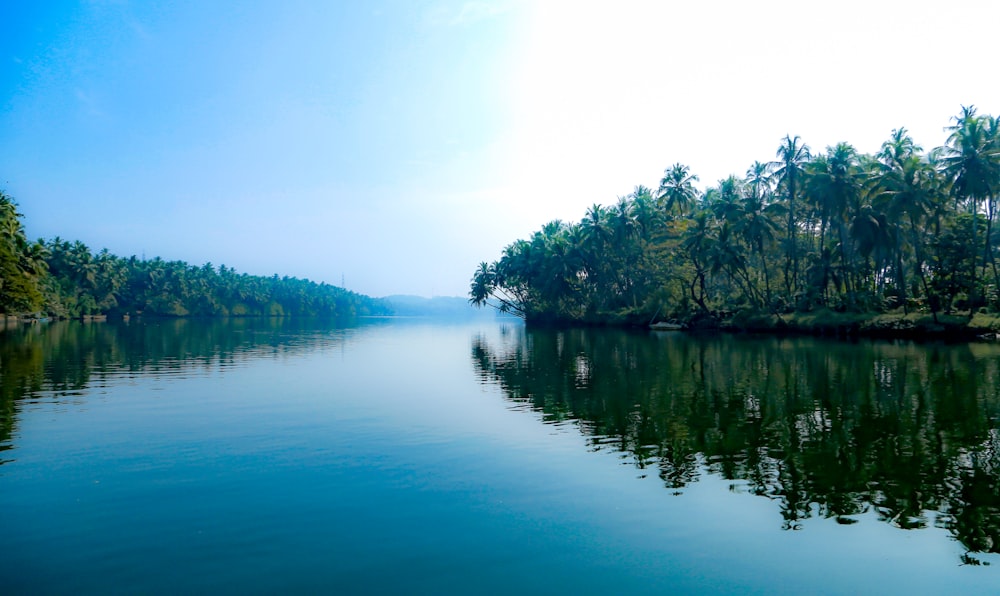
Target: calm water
408, 457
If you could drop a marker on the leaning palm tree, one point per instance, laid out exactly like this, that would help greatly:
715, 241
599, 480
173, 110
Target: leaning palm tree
788, 170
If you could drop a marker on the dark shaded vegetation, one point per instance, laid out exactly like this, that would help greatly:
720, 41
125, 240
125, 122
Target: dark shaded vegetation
902, 431
902, 231
65, 279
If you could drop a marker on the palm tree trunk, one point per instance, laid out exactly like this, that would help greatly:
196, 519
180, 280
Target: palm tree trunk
763, 265
699, 281
901, 277
988, 250
847, 278
931, 301
972, 289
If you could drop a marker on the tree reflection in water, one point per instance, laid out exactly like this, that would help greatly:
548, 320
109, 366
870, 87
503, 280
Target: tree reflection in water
837, 429
60, 360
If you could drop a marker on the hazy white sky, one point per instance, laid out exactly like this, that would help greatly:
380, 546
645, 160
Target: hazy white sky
395, 144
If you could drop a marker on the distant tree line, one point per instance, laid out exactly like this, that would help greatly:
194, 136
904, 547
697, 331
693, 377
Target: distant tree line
66, 279
901, 229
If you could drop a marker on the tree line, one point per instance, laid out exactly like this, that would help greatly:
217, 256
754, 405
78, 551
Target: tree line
901, 229
66, 279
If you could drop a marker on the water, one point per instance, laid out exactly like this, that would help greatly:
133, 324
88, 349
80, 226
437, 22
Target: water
257, 456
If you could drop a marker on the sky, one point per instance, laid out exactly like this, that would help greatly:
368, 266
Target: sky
390, 146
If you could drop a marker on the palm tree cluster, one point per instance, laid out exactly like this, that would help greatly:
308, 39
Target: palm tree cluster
21, 262
900, 229
66, 279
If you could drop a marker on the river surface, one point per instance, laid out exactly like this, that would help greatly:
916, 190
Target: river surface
407, 456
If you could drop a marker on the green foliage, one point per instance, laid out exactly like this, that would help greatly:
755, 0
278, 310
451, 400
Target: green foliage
836, 230
84, 284
66, 279
18, 291
20, 270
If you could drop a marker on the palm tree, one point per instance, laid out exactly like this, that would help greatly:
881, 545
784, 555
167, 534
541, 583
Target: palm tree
727, 200
624, 224
833, 185
896, 180
644, 209
36, 258
697, 243
758, 180
677, 191
788, 170
726, 254
971, 159
83, 263
757, 226
908, 188
11, 229
898, 148
873, 237
595, 226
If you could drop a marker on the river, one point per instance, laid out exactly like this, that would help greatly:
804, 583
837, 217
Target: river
414, 456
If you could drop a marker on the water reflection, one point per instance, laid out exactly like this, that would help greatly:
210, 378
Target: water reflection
907, 431
64, 359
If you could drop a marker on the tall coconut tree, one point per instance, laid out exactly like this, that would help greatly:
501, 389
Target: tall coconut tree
833, 185
908, 188
758, 182
788, 171
971, 159
677, 191
757, 226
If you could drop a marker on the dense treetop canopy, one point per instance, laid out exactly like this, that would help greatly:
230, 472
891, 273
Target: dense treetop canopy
904, 229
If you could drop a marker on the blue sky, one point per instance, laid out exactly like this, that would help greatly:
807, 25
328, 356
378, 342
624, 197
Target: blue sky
396, 144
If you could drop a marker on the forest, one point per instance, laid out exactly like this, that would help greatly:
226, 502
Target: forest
62, 279
903, 230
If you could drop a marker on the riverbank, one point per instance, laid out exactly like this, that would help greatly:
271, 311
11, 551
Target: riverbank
893, 325
957, 326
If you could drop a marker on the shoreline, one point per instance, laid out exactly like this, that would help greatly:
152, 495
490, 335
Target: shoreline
914, 326
892, 326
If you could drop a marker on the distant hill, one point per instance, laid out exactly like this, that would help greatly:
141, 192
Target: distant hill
439, 306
